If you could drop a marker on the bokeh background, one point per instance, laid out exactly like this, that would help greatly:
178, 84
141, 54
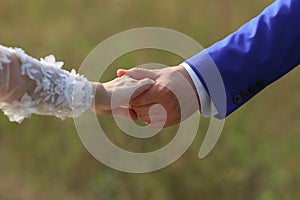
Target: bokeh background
257, 156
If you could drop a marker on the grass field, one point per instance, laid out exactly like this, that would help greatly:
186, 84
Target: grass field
257, 156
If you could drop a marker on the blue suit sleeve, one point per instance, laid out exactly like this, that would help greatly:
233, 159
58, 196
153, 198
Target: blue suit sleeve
259, 53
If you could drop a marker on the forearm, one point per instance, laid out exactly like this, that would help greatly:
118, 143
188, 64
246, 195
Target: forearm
29, 86
12, 84
254, 56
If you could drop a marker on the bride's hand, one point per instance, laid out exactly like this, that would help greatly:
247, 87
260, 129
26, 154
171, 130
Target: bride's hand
110, 97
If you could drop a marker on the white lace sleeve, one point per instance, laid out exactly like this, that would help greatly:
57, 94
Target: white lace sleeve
55, 92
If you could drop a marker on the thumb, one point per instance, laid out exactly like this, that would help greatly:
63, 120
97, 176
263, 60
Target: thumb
129, 88
138, 73
121, 72
145, 84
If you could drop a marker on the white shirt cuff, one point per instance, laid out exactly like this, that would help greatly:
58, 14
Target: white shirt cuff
207, 107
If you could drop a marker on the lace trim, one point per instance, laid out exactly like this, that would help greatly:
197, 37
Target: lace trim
57, 92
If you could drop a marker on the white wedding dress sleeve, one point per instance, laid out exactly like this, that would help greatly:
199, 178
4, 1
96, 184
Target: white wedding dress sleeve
40, 87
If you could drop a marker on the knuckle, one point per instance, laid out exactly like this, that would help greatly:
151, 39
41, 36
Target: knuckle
136, 70
134, 102
145, 118
147, 81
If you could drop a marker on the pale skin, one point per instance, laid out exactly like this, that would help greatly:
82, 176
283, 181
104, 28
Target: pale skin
122, 87
160, 93
13, 85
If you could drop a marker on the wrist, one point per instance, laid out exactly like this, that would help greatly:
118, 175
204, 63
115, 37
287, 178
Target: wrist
100, 94
181, 69
184, 72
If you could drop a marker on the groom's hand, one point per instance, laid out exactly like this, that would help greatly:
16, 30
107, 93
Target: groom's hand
173, 90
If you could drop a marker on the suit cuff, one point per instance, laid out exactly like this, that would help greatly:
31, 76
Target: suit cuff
207, 107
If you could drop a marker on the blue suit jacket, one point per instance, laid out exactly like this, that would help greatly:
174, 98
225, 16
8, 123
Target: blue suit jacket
260, 52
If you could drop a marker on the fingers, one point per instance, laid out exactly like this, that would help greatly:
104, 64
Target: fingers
119, 112
143, 113
128, 88
143, 85
147, 98
155, 115
159, 120
138, 73
121, 72
158, 124
156, 94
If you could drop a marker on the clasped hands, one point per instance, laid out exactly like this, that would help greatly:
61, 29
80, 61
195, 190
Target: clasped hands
161, 98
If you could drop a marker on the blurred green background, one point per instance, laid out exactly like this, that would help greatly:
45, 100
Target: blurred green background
257, 156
